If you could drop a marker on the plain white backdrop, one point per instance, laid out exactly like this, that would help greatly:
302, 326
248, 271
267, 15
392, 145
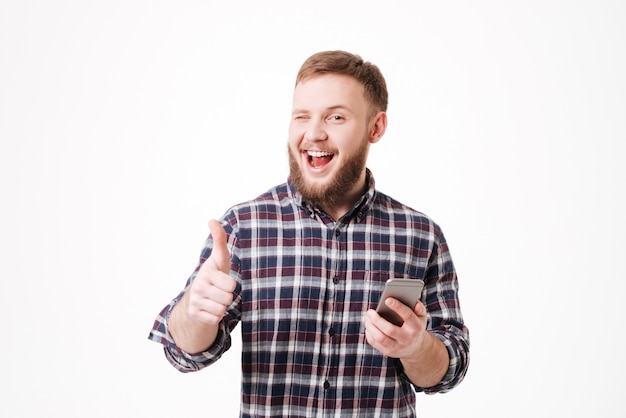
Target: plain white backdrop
126, 125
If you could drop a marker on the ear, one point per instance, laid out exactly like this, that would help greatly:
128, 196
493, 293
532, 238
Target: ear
377, 127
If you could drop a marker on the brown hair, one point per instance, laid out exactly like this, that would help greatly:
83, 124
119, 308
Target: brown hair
341, 62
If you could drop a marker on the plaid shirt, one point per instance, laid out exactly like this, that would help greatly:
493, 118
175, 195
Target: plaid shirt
305, 282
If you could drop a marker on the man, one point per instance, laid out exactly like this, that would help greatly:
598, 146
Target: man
302, 266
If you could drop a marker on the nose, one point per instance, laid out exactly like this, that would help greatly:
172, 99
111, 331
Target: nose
315, 131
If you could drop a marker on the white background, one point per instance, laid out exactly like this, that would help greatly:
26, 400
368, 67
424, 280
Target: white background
126, 125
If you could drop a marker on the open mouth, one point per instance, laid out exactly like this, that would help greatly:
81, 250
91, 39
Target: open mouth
318, 159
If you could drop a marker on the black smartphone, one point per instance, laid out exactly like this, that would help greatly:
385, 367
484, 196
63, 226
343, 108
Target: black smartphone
407, 291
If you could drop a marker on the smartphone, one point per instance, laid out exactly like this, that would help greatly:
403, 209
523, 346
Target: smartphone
407, 291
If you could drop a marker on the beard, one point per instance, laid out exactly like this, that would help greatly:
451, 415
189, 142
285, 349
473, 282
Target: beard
335, 191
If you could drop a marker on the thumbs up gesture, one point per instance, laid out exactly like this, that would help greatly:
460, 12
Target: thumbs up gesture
212, 289
194, 321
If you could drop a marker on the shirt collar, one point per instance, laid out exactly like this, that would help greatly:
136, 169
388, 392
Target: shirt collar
358, 211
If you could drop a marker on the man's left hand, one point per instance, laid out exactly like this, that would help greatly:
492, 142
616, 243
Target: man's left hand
392, 340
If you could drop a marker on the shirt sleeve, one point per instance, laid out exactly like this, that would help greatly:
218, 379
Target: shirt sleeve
180, 359
444, 312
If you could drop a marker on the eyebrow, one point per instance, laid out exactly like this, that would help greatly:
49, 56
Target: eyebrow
335, 107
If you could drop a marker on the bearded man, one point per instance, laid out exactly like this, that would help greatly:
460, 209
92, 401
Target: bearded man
301, 268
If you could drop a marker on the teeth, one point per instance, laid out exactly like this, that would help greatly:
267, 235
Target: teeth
319, 153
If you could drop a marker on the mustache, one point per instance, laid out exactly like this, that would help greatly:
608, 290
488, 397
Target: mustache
316, 147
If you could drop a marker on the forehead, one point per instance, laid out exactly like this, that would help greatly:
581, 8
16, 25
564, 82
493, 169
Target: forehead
329, 90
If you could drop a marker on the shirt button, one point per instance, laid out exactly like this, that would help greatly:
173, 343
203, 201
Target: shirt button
336, 279
326, 384
331, 331
337, 233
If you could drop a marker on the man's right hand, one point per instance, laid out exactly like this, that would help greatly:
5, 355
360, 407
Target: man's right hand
194, 320
212, 290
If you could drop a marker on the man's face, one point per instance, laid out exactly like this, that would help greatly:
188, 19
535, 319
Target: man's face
329, 140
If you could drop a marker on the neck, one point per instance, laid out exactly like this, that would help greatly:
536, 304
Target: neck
343, 206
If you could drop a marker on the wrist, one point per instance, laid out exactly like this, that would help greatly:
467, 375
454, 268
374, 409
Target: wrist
428, 365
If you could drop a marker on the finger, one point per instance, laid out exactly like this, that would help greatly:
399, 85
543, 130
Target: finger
401, 309
209, 300
210, 314
220, 295
211, 307
420, 310
375, 333
219, 289
379, 326
219, 255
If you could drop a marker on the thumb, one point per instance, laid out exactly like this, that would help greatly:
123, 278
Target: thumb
220, 255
